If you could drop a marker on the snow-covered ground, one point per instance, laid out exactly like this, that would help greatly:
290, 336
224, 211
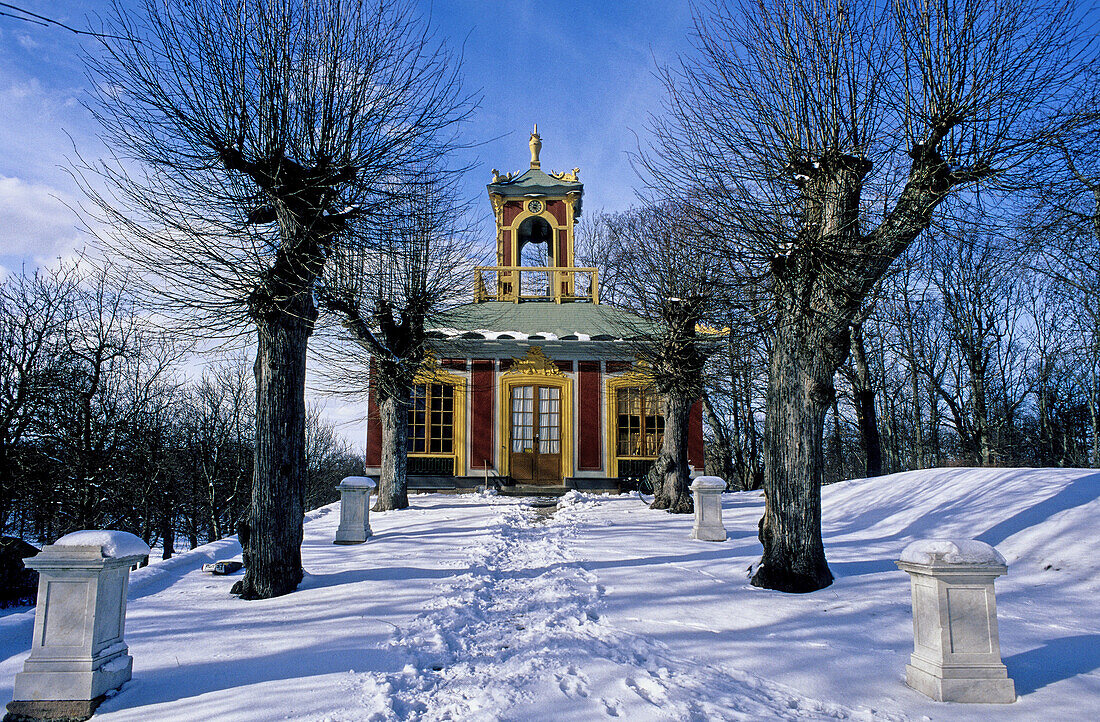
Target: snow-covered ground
480, 608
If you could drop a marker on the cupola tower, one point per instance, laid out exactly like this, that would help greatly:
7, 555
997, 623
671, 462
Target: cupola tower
534, 208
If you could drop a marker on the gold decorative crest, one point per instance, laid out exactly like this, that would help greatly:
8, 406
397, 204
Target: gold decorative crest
536, 364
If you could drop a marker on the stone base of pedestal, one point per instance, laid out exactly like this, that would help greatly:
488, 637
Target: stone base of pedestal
351, 536
50, 680
988, 685
64, 710
709, 533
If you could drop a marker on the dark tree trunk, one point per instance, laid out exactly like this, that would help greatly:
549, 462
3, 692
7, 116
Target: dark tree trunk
274, 519
7, 484
721, 457
393, 490
800, 392
865, 406
167, 534
671, 474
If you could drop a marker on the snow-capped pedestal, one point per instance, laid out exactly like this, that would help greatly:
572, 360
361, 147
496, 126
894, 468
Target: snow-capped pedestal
707, 491
77, 651
354, 510
956, 648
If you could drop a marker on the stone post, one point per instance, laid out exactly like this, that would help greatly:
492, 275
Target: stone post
707, 491
956, 649
77, 652
354, 510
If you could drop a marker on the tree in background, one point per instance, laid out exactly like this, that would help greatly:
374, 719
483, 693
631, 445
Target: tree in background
784, 130
660, 275
248, 137
34, 309
1062, 228
404, 275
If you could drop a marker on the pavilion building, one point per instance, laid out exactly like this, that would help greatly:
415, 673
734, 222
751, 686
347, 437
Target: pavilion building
533, 386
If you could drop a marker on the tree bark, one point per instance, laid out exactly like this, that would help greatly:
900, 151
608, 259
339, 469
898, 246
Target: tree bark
800, 392
273, 555
670, 474
393, 481
865, 406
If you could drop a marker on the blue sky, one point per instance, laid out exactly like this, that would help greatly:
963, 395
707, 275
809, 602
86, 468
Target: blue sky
582, 70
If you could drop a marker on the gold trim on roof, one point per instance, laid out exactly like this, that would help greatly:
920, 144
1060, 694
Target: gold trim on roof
535, 364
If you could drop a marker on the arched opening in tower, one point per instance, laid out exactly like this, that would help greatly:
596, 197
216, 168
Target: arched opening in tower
535, 248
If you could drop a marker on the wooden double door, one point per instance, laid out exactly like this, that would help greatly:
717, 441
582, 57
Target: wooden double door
535, 439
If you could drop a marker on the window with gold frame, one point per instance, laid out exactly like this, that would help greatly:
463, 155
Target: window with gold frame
431, 419
640, 428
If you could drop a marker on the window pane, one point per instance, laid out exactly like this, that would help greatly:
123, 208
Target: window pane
640, 422
431, 419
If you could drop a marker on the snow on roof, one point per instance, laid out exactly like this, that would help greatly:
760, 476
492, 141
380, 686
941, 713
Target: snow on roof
951, 551
112, 544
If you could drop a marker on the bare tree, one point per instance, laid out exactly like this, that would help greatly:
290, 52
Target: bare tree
788, 127
34, 310
249, 138
113, 367
1062, 228
386, 298
663, 280
216, 447
979, 282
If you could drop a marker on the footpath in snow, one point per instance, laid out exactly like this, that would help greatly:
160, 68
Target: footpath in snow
481, 608
519, 636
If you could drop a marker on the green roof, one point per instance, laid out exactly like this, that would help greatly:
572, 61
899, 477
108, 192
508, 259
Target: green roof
534, 182
552, 321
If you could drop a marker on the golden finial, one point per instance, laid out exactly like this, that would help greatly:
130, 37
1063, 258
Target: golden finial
536, 146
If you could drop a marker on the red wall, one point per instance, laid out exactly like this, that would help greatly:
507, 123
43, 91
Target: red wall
589, 417
695, 435
511, 210
481, 412
374, 426
557, 209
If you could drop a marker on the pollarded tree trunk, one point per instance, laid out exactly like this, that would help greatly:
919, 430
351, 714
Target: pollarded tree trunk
393, 410
273, 554
800, 392
671, 474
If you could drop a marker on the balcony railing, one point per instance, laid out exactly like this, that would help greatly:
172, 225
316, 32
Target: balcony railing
536, 283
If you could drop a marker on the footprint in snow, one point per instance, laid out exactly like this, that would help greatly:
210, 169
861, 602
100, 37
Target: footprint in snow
648, 689
573, 682
611, 707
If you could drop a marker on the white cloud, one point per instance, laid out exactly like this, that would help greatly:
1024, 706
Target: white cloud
34, 220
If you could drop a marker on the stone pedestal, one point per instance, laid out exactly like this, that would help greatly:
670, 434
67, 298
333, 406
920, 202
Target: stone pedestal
707, 492
77, 652
956, 648
354, 510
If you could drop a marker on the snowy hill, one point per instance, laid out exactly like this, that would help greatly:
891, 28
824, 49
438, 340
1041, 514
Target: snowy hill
476, 607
